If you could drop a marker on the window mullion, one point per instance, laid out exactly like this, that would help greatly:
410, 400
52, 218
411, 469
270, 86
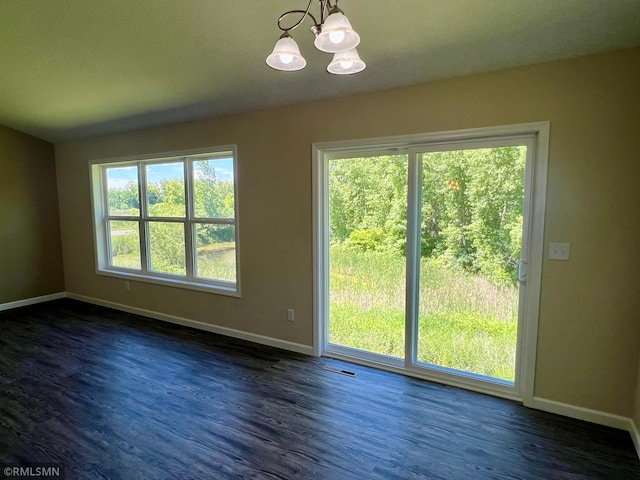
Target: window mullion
105, 215
188, 186
413, 255
216, 221
189, 234
144, 224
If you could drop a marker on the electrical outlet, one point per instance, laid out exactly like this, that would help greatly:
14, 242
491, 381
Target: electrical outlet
127, 285
291, 314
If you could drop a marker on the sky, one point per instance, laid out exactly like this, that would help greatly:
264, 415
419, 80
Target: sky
121, 176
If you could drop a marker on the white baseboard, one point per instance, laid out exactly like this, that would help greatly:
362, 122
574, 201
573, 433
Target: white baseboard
581, 413
229, 332
589, 415
31, 301
635, 436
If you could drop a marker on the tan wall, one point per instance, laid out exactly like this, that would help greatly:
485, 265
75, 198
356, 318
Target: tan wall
30, 250
588, 348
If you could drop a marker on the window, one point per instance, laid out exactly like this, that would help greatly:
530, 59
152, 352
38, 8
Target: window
169, 220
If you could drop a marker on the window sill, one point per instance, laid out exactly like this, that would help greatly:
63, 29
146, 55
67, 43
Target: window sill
230, 290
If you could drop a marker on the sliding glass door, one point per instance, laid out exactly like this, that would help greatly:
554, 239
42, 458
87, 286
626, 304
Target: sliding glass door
423, 255
367, 236
470, 242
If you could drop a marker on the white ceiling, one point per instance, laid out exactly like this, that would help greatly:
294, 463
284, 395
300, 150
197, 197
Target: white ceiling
75, 68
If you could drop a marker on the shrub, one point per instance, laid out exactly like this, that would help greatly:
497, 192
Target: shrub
124, 244
366, 240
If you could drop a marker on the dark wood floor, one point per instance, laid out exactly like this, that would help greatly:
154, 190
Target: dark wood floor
113, 395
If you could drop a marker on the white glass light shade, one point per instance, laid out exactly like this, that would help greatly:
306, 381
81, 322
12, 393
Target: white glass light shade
336, 35
286, 56
346, 63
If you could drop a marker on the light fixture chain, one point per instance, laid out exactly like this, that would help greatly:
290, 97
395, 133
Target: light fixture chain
297, 24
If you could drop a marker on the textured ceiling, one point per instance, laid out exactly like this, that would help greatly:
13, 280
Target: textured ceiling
75, 68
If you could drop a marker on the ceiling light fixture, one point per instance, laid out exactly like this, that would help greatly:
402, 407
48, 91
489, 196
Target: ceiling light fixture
333, 35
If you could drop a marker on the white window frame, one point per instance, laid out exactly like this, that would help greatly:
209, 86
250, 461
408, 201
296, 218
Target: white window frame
101, 217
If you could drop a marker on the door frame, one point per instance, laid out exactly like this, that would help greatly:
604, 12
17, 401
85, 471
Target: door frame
539, 133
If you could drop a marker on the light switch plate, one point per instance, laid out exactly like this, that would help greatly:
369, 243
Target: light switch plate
558, 251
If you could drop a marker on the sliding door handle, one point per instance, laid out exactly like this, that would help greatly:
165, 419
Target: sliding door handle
522, 271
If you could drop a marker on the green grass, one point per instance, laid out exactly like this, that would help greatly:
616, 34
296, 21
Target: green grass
465, 322
215, 261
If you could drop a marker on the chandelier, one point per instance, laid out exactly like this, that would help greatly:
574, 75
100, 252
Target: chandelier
333, 34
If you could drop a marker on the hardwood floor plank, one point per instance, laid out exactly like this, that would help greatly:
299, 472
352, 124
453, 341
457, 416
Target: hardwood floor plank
114, 395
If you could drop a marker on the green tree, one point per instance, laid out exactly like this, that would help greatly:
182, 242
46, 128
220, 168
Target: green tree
167, 247
472, 209
169, 198
367, 200
497, 194
214, 198
447, 211
124, 199
472, 204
